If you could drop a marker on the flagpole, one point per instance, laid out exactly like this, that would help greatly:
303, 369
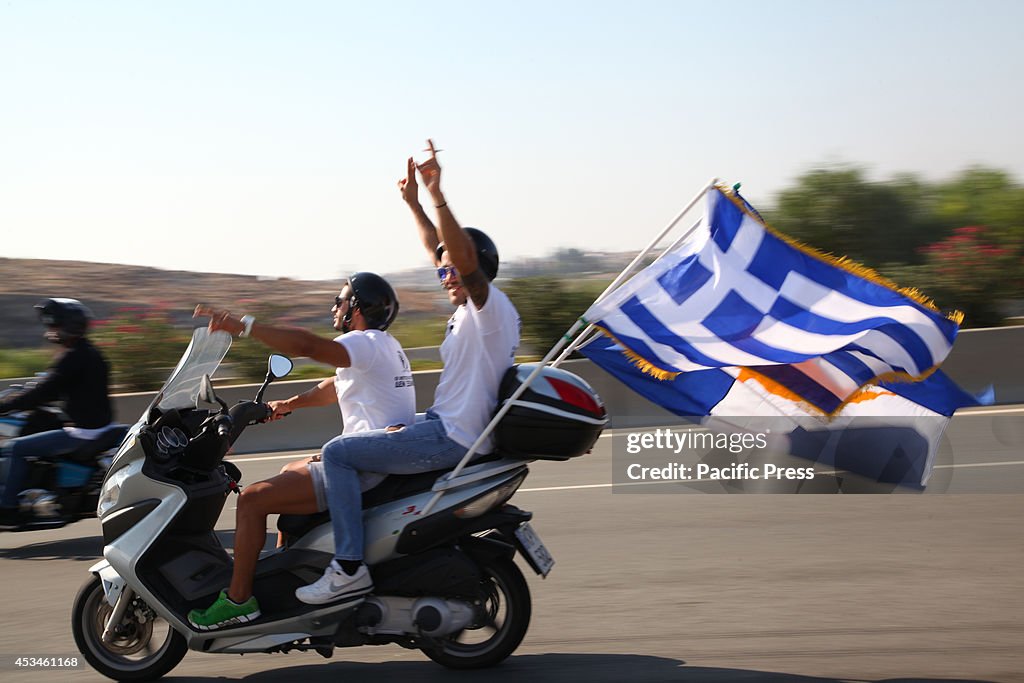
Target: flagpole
633, 264
565, 354
680, 240
566, 339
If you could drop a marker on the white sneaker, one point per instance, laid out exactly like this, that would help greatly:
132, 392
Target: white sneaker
335, 584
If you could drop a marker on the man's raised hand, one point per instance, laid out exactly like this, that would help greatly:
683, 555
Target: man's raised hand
407, 186
219, 320
430, 171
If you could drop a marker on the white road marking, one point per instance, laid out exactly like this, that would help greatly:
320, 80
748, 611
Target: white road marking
719, 481
693, 481
979, 464
261, 458
968, 412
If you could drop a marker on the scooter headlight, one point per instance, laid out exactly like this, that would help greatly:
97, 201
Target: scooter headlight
111, 491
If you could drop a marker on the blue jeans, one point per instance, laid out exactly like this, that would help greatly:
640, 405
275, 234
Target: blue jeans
422, 447
52, 444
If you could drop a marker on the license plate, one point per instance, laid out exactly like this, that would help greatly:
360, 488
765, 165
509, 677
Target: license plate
534, 549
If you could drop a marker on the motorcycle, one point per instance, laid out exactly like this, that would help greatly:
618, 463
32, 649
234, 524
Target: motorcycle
58, 490
439, 545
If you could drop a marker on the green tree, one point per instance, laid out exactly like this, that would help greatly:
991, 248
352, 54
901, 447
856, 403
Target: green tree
913, 231
838, 211
548, 307
982, 196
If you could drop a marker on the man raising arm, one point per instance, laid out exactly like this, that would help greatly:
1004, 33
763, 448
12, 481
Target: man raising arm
479, 346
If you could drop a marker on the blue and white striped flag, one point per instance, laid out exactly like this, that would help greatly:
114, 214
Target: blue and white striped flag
738, 323
735, 294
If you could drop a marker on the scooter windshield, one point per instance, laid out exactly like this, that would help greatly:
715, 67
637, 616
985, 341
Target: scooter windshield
202, 357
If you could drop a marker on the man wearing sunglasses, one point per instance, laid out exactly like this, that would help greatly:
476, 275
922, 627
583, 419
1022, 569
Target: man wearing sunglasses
479, 346
372, 385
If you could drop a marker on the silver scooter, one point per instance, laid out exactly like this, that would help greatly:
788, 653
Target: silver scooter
440, 545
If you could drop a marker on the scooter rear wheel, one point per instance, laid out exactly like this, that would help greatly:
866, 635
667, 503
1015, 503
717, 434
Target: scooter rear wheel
505, 616
141, 650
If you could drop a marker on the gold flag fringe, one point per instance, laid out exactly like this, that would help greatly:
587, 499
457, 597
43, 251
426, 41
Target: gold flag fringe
841, 262
649, 368
639, 361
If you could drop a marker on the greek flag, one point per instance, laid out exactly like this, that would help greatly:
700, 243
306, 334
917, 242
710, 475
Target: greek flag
738, 323
736, 294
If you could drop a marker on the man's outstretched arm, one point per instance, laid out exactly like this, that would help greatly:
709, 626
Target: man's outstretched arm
291, 341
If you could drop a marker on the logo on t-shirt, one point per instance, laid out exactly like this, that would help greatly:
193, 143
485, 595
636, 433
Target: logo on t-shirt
405, 380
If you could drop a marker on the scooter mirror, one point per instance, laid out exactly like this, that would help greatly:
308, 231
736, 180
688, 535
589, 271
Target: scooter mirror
278, 366
206, 393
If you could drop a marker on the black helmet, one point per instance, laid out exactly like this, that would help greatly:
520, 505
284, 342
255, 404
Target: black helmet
70, 316
372, 295
486, 252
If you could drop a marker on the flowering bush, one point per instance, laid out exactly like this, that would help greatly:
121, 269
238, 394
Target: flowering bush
972, 270
141, 345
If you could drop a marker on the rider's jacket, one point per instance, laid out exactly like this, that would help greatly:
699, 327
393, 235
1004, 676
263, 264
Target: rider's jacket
79, 378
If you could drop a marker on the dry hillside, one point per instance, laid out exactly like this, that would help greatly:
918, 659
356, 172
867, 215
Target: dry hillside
106, 287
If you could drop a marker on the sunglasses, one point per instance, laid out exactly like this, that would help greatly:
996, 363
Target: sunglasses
443, 273
339, 300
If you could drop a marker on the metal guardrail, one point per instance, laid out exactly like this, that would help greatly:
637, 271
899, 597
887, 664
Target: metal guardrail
980, 359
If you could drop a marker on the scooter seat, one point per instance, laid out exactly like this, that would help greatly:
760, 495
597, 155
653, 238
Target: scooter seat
393, 487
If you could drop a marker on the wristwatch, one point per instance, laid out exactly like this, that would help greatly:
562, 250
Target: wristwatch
247, 321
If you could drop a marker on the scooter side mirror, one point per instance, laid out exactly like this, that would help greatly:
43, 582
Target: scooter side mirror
278, 366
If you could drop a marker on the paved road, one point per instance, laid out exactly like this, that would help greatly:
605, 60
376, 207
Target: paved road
665, 587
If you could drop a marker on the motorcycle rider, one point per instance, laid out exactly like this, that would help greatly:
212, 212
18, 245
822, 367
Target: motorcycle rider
373, 387
79, 376
479, 346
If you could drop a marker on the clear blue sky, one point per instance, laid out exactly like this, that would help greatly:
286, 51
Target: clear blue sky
267, 137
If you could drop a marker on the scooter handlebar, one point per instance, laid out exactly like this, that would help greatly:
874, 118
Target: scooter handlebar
247, 413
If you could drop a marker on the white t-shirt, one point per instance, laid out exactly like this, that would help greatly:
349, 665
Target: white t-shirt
377, 390
479, 346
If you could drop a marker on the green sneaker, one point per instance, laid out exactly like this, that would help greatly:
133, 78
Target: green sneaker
224, 612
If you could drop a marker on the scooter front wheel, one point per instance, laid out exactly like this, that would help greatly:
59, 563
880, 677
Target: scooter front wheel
144, 646
504, 615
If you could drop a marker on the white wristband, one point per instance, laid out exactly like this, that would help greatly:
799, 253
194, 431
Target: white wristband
246, 320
